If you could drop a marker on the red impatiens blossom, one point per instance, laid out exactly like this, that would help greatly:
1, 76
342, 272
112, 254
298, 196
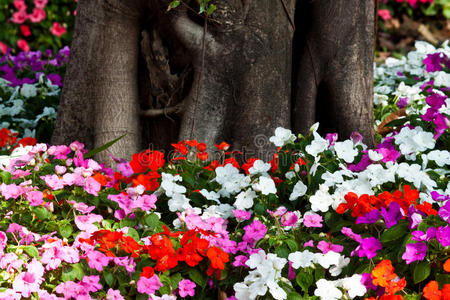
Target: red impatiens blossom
427, 208
223, 146
248, 164
201, 147
431, 291
147, 272
23, 45
148, 159
57, 29
149, 180
163, 252
218, 257
181, 148
25, 30
212, 165
202, 156
7, 138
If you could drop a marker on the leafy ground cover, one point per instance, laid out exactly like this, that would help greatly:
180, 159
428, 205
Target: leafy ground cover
324, 219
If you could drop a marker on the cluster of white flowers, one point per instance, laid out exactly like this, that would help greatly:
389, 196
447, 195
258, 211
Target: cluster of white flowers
330, 260
282, 137
265, 275
178, 201
329, 290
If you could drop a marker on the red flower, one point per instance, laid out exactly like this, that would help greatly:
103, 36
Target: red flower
248, 164
3, 48
129, 245
149, 181
212, 165
431, 291
217, 257
427, 208
27, 141
23, 45
180, 147
202, 156
147, 272
7, 138
223, 146
191, 143
201, 147
145, 160
232, 161
25, 30
57, 29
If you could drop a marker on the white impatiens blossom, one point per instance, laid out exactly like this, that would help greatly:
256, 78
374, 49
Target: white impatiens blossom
244, 200
414, 140
28, 90
375, 156
231, 180
302, 259
282, 137
414, 174
168, 184
442, 79
328, 259
321, 200
327, 290
341, 263
345, 151
178, 202
353, 286
210, 195
318, 145
265, 275
223, 211
265, 185
259, 167
440, 157
299, 190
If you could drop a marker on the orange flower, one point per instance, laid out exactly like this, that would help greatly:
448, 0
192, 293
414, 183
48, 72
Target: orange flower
427, 208
217, 257
391, 297
223, 146
102, 179
383, 273
447, 265
431, 291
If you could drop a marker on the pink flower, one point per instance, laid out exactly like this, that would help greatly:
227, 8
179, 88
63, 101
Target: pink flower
60, 170
385, 14
289, 219
82, 207
309, 243
145, 202
59, 152
326, 247
10, 295
26, 283
35, 198
241, 215
3, 240
92, 186
71, 289
57, 29
97, 260
11, 191
148, 285
114, 295
53, 181
312, 220
186, 288
19, 17
40, 3
3, 48
91, 283
20, 5
86, 222
37, 15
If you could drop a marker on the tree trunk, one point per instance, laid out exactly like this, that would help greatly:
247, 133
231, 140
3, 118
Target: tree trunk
161, 76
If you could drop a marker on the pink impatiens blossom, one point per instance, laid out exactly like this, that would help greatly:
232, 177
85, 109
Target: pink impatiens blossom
86, 222
26, 283
59, 152
11, 191
3, 240
81, 207
114, 295
145, 202
92, 186
19, 17
53, 181
97, 260
326, 247
148, 285
186, 288
241, 215
289, 219
40, 3
91, 283
312, 220
10, 294
35, 198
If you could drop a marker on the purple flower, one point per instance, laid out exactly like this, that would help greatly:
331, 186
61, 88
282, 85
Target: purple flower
331, 138
415, 252
369, 218
435, 100
444, 211
402, 102
326, 247
368, 248
433, 62
361, 165
414, 218
429, 114
438, 197
254, 232
356, 137
443, 236
392, 215
418, 235
442, 123
349, 233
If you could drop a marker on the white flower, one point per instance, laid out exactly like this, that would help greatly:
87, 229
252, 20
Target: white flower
353, 286
178, 202
28, 90
265, 185
414, 140
441, 158
375, 156
442, 79
169, 186
290, 174
317, 146
245, 199
345, 151
242, 291
282, 137
321, 200
328, 259
299, 190
259, 167
212, 196
342, 262
231, 180
380, 99
301, 259
277, 292
327, 290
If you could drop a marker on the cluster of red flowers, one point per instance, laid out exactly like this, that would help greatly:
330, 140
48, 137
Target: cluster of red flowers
365, 203
9, 139
193, 249
182, 149
383, 275
432, 292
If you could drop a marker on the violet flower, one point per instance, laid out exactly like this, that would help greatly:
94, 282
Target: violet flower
415, 252
392, 215
369, 218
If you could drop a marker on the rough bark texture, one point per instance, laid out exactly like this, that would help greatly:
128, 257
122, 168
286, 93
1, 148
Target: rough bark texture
165, 76
334, 84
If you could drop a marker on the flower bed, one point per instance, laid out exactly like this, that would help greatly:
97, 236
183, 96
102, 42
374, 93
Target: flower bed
323, 219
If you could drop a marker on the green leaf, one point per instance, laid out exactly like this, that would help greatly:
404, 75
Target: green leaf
282, 252
109, 278
175, 279
394, 232
211, 8
319, 273
174, 4
72, 272
31, 251
6, 177
102, 148
397, 122
134, 234
285, 161
152, 220
197, 277
292, 244
65, 230
294, 296
421, 271
304, 280
41, 212
443, 279
446, 11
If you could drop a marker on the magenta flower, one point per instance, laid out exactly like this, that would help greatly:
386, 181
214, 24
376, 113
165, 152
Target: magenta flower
91, 283
26, 283
402, 102
312, 220
148, 285
241, 215
435, 61
326, 247
443, 236
114, 295
97, 260
331, 138
145, 202
309, 243
239, 261
186, 288
254, 232
289, 219
3, 240
369, 218
392, 215
349, 233
444, 212
367, 248
59, 152
415, 252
